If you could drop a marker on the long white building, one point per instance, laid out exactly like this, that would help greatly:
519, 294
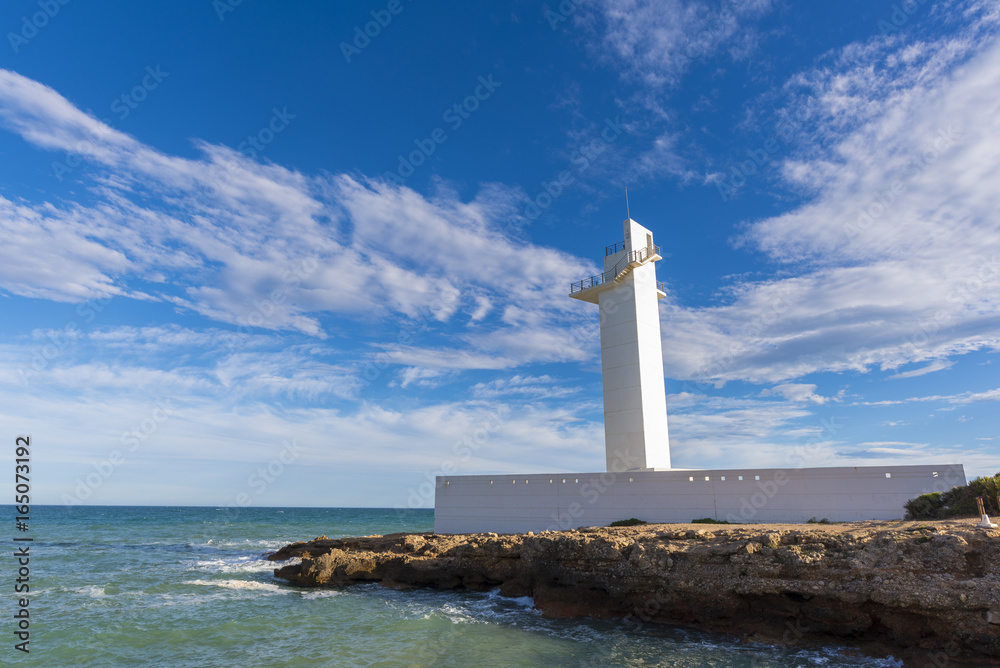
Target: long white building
638, 481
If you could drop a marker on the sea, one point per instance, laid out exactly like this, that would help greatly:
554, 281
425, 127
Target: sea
188, 586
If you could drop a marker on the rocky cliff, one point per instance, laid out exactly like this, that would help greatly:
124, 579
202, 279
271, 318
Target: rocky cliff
929, 589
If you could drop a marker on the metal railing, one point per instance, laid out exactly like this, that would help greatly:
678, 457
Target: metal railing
614, 248
635, 257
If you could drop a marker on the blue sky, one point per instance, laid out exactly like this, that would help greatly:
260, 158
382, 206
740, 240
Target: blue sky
253, 255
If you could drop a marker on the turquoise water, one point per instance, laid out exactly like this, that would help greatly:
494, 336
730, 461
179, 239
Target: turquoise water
155, 586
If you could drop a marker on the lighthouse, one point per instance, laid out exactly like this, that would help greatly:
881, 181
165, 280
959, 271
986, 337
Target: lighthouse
635, 403
638, 480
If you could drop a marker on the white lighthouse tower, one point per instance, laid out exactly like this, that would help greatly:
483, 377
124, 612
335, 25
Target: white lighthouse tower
638, 481
635, 404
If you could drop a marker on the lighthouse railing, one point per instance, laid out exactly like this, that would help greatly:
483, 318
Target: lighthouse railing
635, 257
614, 248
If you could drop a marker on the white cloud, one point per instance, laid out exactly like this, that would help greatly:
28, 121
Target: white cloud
989, 395
483, 306
930, 368
444, 358
656, 41
83, 425
796, 392
518, 385
917, 282
260, 246
718, 432
49, 254
960, 398
422, 377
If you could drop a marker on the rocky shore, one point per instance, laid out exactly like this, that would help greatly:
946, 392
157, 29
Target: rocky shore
927, 592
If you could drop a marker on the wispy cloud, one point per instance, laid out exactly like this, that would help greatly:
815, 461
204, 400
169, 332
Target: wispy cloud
308, 248
518, 385
656, 42
930, 368
960, 398
798, 392
894, 258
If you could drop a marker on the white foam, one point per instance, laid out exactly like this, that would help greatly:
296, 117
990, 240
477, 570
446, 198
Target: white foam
240, 584
265, 544
92, 591
523, 601
244, 564
457, 615
322, 593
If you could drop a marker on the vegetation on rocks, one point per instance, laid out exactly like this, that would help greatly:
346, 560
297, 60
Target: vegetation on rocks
958, 501
630, 522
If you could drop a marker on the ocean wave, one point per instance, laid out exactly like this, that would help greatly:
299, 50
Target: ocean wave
466, 608
523, 601
241, 564
93, 591
171, 600
262, 544
246, 585
320, 593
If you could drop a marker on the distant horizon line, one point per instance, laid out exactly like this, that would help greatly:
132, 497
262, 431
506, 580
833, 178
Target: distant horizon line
217, 507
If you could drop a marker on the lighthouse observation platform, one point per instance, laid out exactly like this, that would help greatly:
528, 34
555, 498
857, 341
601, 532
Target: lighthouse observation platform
588, 289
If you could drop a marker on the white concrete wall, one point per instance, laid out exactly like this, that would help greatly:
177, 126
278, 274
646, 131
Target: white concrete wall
656, 439
635, 403
535, 502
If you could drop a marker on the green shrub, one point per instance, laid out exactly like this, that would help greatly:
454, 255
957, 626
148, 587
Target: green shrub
630, 522
813, 520
956, 502
924, 507
709, 520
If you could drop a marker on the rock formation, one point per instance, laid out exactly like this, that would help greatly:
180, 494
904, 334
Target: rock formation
928, 589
